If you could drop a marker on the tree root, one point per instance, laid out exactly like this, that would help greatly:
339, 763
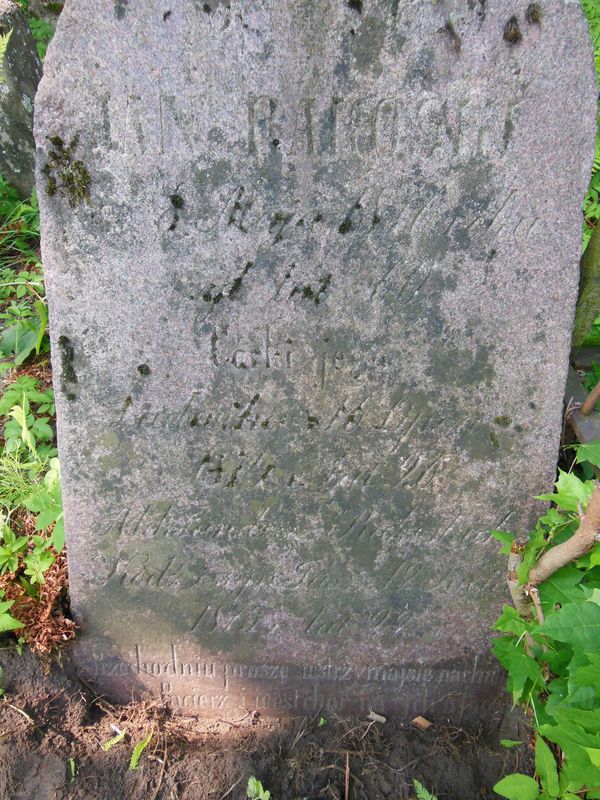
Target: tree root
580, 543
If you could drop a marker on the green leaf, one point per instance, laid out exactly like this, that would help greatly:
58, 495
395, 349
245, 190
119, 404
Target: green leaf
521, 667
422, 793
594, 755
562, 587
256, 791
578, 624
545, 767
42, 311
589, 451
19, 414
8, 622
58, 535
510, 742
510, 621
110, 743
571, 492
138, 750
517, 787
506, 539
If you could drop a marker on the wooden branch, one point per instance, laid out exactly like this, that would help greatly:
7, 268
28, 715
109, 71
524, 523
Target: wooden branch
590, 401
517, 592
578, 545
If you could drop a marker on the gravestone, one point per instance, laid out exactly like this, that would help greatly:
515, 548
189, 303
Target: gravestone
311, 270
20, 72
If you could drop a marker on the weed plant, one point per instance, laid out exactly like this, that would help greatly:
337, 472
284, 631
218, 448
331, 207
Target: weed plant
553, 656
31, 525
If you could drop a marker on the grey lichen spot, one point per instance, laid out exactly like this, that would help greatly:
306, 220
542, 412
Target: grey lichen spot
367, 45
508, 130
65, 173
452, 31
512, 31
461, 364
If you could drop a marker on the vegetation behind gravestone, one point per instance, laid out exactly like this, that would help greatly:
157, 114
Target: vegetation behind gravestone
587, 322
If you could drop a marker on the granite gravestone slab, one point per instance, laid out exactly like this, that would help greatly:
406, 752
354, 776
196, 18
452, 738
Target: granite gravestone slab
312, 270
20, 72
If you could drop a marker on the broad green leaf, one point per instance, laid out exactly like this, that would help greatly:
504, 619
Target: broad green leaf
506, 539
589, 674
594, 596
19, 414
510, 621
594, 755
521, 667
589, 452
562, 587
545, 767
578, 624
517, 787
8, 622
42, 311
571, 492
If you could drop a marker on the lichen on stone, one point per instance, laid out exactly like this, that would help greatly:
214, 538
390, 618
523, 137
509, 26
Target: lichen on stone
66, 173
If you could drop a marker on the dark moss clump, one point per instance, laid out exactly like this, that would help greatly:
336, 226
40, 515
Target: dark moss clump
504, 421
512, 31
63, 171
176, 200
356, 5
144, 369
345, 225
237, 282
494, 439
308, 293
120, 8
534, 14
68, 375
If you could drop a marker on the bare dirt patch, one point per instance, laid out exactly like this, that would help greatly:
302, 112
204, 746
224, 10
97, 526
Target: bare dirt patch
52, 727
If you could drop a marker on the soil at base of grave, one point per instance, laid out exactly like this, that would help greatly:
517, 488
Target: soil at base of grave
49, 717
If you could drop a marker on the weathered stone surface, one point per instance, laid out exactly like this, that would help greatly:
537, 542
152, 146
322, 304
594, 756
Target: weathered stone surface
20, 72
312, 270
